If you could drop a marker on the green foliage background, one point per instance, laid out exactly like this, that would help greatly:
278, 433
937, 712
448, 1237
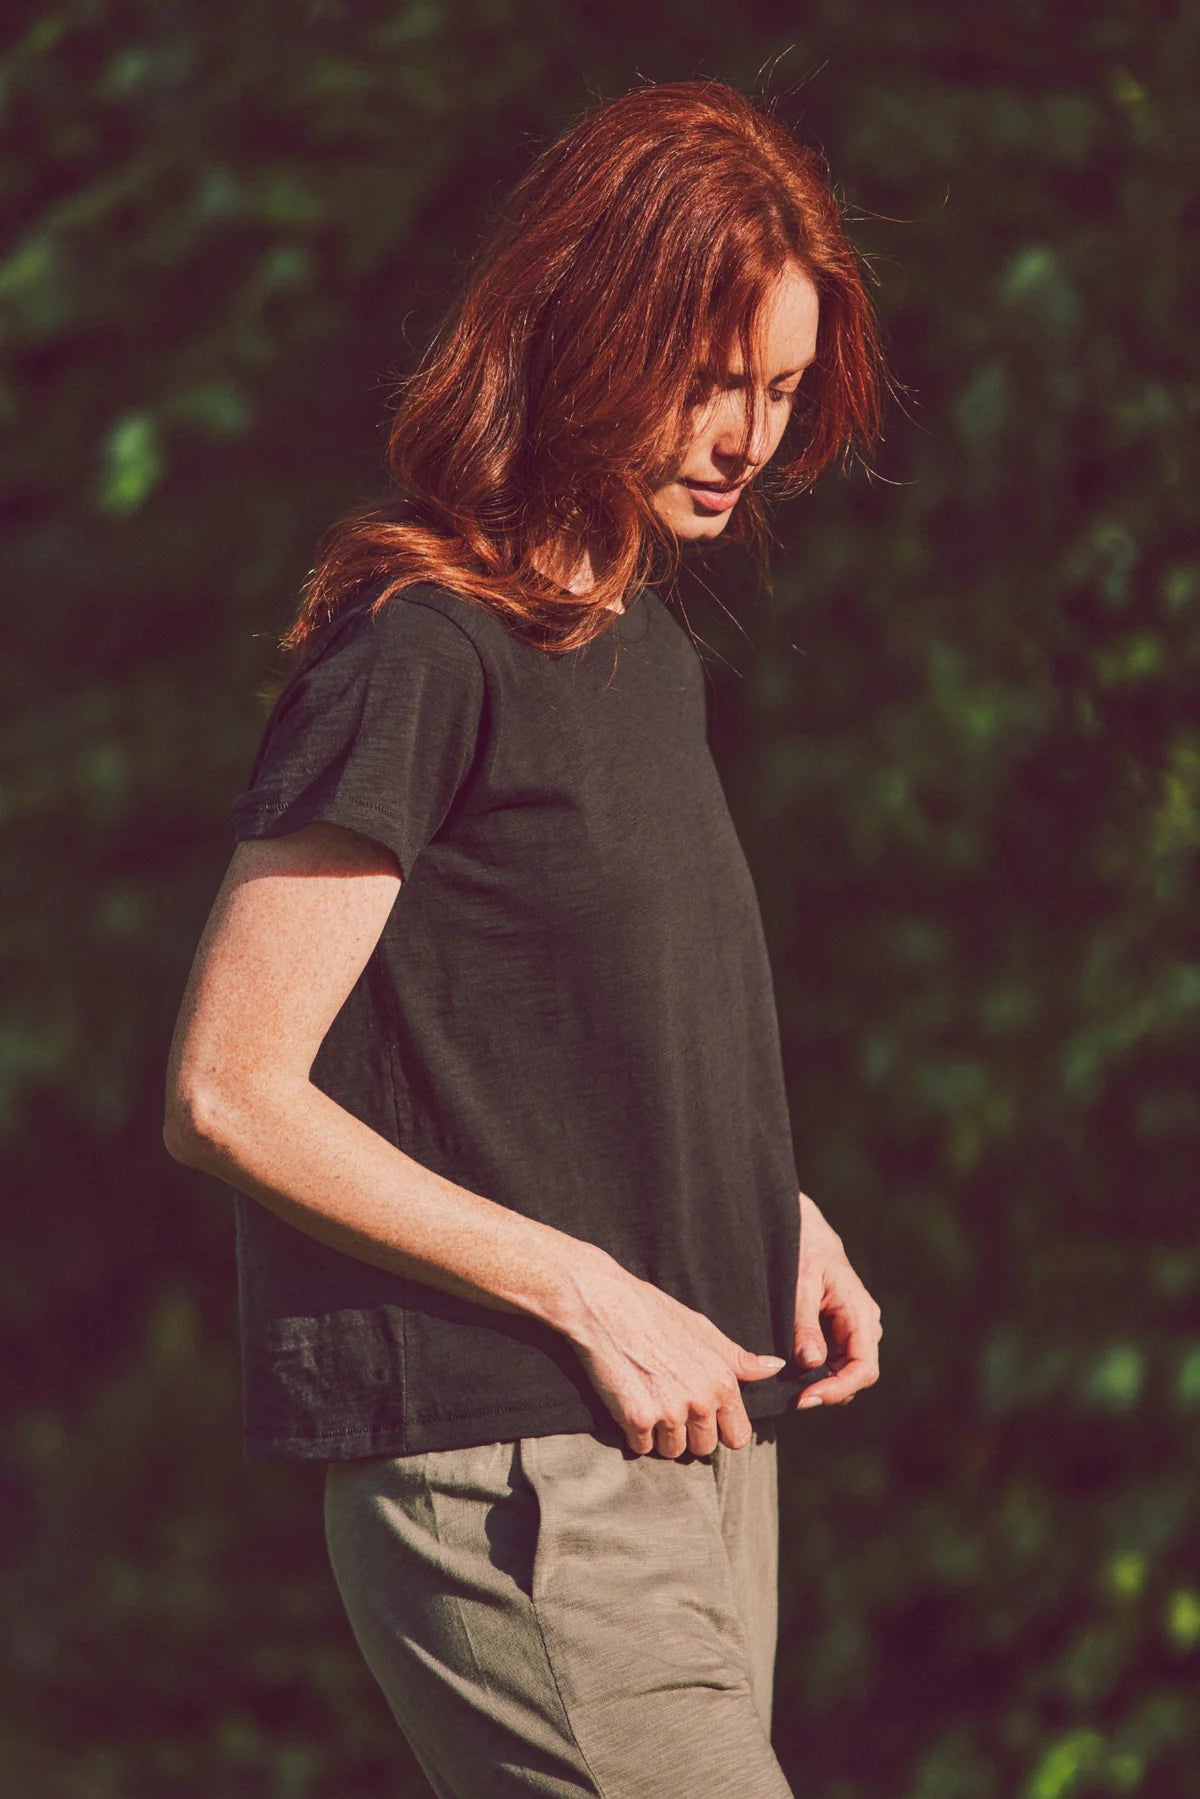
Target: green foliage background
961, 741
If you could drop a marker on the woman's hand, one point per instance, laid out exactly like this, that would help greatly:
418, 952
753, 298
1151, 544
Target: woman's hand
666, 1373
828, 1289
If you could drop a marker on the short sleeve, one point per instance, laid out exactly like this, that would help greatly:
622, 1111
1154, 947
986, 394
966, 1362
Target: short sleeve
378, 731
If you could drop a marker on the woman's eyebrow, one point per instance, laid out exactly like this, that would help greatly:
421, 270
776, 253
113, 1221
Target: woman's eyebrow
783, 375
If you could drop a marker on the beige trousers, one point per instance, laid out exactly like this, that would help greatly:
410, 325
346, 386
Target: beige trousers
557, 1615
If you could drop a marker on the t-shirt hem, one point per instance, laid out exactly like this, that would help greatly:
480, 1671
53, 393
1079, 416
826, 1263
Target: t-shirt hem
762, 1400
414, 1436
266, 819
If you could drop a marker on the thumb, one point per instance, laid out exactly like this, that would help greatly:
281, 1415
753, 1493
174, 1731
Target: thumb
811, 1348
757, 1367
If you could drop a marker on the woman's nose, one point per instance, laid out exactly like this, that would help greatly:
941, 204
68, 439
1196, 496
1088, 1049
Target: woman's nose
731, 424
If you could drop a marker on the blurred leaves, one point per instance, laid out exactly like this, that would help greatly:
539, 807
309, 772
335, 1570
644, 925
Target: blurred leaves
960, 742
132, 463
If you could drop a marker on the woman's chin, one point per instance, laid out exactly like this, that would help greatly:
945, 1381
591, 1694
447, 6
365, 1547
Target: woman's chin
695, 526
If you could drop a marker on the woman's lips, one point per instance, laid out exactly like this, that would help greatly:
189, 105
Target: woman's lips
714, 499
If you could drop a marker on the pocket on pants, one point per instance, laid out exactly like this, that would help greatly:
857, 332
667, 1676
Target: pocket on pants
630, 1578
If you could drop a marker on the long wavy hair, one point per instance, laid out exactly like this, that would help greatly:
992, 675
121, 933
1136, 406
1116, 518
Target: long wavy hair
561, 385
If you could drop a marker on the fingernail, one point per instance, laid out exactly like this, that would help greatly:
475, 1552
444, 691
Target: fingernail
813, 1399
771, 1361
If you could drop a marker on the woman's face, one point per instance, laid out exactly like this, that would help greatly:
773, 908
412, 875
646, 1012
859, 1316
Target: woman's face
692, 502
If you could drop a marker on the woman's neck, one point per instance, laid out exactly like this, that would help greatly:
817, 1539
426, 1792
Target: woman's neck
581, 581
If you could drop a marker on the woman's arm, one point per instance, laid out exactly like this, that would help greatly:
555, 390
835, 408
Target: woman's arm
291, 929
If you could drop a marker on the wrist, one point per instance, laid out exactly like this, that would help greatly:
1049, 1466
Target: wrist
581, 1275
813, 1222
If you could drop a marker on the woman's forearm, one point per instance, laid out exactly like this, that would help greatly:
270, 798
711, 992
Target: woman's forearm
316, 1166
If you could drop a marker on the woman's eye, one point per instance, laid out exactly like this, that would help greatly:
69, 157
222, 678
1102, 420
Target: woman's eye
703, 389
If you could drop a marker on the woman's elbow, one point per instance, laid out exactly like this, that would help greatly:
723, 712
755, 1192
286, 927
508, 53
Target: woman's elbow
195, 1120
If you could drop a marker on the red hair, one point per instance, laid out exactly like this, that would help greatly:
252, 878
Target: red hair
558, 389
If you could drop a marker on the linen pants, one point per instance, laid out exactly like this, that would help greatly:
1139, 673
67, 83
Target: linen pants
558, 1615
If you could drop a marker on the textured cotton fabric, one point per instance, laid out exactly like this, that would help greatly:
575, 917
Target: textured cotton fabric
558, 1616
569, 1010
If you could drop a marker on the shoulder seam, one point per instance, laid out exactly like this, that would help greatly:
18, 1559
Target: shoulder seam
491, 689
403, 597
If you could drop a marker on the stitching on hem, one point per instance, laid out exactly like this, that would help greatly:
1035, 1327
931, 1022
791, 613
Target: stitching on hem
271, 1440
492, 1411
263, 812
270, 1435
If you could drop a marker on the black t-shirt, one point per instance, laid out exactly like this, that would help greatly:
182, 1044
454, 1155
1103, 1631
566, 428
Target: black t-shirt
569, 1010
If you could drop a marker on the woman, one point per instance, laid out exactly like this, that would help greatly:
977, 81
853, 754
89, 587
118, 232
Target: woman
481, 1028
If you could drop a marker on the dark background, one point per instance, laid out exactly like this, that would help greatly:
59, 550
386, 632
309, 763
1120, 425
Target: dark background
961, 742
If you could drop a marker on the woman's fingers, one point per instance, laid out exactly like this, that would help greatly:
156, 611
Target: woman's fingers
699, 1436
670, 1440
668, 1376
837, 1389
702, 1435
